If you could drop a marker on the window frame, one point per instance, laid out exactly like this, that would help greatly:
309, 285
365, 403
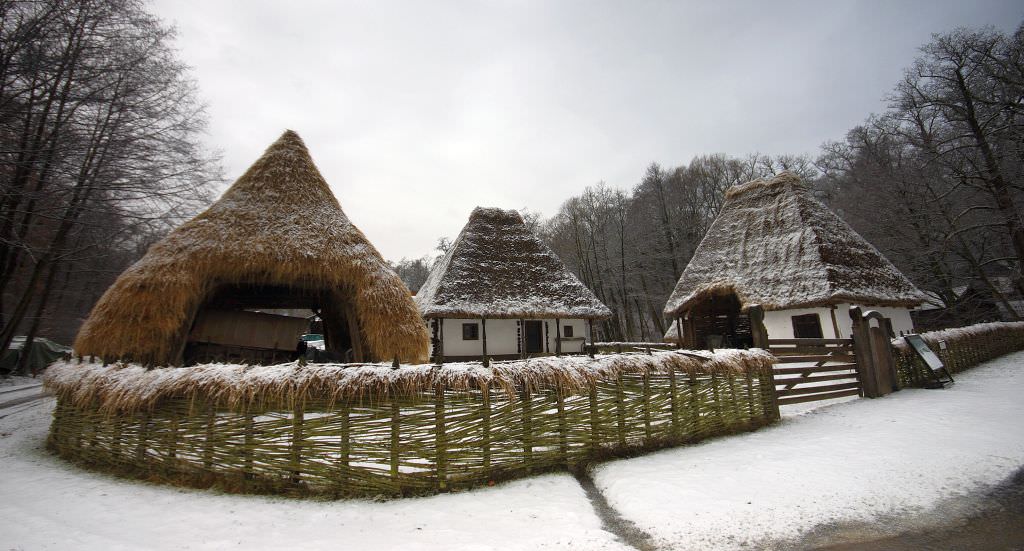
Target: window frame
803, 321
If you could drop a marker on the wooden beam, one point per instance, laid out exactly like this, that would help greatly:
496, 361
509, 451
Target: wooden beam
590, 328
679, 330
558, 337
483, 336
522, 339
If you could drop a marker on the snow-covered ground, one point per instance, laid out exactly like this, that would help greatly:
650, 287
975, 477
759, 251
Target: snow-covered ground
861, 460
16, 382
48, 504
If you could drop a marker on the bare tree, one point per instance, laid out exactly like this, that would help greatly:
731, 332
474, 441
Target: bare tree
100, 127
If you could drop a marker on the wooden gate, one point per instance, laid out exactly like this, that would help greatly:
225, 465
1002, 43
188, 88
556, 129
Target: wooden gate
814, 369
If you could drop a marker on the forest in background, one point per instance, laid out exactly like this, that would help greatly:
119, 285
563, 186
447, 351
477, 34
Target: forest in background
934, 182
100, 155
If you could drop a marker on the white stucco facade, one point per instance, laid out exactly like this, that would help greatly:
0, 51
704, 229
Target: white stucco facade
503, 337
779, 323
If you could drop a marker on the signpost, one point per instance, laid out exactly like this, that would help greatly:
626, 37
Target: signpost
935, 365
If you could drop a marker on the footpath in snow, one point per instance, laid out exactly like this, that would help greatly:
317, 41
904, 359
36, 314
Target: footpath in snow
860, 461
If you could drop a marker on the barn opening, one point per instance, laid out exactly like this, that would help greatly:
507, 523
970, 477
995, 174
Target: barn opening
263, 324
719, 322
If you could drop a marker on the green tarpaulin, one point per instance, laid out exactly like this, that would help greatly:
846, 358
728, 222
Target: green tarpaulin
43, 352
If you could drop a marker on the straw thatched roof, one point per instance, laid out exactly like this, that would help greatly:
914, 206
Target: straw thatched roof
775, 245
497, 268
278, 225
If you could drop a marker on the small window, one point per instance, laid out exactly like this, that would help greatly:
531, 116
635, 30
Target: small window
567, 333
807, 326
470, 332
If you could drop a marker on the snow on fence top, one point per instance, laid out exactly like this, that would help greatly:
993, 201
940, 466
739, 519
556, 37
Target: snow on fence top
497, 268
775, 245
119, 387
278, 225
961, 333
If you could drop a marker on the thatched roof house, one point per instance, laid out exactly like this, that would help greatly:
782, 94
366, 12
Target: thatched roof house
775, 245
276, 239
498, 269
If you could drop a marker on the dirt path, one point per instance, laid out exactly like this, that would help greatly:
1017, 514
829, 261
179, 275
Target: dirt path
611, 521
993, 521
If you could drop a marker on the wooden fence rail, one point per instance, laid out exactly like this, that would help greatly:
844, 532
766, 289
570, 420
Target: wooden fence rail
814, 369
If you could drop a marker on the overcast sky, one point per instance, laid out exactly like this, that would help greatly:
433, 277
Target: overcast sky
417, 112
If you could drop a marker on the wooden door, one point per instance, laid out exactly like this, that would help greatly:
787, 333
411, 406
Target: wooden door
534, 336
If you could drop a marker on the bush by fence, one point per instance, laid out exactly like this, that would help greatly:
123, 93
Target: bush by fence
965, 347
364, 430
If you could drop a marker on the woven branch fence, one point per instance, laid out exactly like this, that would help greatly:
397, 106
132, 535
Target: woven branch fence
368, 430
965, 347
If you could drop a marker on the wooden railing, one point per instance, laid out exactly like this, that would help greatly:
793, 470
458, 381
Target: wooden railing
814, 369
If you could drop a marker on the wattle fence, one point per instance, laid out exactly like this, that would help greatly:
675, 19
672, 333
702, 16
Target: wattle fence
959, 349
367, 430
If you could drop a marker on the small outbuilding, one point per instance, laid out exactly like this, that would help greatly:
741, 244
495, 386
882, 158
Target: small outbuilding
499, 292
776, 246
276, 239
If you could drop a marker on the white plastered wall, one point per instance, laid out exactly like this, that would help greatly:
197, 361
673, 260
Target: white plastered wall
502, 337
779, 323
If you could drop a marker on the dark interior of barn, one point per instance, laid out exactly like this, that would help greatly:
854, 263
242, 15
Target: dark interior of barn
718, 322
263, 325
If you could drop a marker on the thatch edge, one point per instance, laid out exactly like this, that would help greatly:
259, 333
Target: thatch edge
125, 388
724, 288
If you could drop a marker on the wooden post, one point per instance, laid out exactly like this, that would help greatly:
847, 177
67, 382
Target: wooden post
441, 439
527, 428
757, 328
440, 341
862, 353
395, 441
647, 407
483, 336
435, 325
345, 445
590, 328
563, 429
547, 345
522, 339
620, 410
679, 331
211, 419
882, 359
298, 414
358, 351
485, 425
558, 337
247, 444
674, 401
595, 421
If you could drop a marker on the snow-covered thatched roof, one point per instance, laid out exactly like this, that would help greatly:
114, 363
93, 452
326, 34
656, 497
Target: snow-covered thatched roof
775, 245
497, 268
278, 225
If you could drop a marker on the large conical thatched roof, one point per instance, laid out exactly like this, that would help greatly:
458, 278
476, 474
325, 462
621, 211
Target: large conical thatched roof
775, 245
497, 268
279, 225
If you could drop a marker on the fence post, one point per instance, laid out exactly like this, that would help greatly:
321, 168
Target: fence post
441, 434
881, 357
862, 353
757, 328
